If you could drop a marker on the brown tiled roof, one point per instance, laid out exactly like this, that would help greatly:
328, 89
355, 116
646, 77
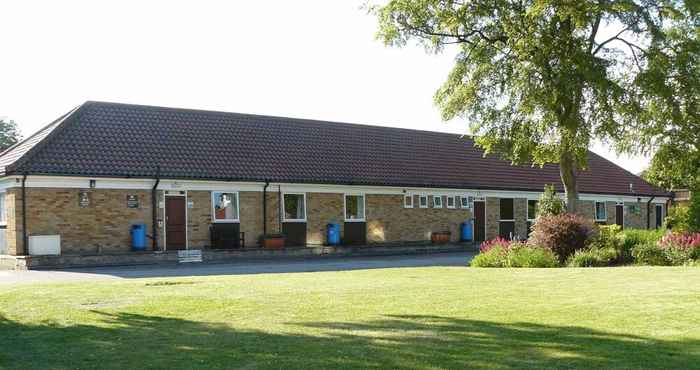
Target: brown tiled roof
120, 140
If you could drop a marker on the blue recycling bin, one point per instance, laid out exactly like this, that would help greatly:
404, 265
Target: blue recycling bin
333, 236
467, 231
138, 237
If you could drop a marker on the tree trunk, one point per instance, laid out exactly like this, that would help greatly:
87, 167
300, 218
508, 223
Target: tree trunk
567, 171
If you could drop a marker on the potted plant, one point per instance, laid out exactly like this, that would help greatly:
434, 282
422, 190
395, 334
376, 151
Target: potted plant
440, 237
272, 241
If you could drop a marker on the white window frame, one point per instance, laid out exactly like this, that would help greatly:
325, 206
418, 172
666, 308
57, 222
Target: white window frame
345, 207
454, 201
405, 204
435, 204
461, 205
3, 209
284, 216
528, 210
595, 210
213, 207
420, 201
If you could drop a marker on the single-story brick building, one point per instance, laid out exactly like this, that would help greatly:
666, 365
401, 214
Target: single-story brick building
192, 176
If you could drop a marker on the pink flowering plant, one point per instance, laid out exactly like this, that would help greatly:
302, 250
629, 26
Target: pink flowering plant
497, 242
680, 248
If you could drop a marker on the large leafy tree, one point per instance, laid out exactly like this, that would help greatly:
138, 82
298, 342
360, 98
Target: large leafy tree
9, 134
538, 80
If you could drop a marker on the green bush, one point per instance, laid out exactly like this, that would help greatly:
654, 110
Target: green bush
630, 238
678, 219
550, 204
529, 256
594, 257
493, 257
649, 254
515, 255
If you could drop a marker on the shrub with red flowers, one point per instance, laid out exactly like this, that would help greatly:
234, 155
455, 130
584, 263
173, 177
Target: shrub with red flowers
490, 244
563, 234
680, 248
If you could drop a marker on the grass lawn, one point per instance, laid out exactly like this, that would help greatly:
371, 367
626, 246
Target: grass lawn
417, 318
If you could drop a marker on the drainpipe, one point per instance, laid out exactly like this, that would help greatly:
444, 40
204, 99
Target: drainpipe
267, 183
649, 211
154, 208
279, 209
25, 238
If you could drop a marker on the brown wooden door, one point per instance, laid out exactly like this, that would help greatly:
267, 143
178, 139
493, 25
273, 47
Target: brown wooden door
619, 215
479, 221
175, 223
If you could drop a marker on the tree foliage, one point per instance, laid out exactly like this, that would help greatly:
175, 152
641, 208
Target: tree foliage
9, 134
550, 204
538, 80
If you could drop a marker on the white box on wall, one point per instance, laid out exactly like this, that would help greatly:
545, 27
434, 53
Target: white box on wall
44, 245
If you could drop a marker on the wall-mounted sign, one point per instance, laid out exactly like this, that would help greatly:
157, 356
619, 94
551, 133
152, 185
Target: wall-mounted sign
132, 201
190, 204
84, 199
634, 209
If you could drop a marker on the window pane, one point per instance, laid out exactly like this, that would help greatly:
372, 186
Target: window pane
294, 207
507, 209
465, 202
408, 201
423, 201
354, 207
437, 201
531, 209
451, 202
600, 211
226, 206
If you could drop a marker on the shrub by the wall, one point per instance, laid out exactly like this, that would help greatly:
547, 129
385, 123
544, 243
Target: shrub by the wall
649, 254
514, 254
492, 257
678, 219
550, 204
680, 248
563, 234
630, 238
594, 257
531, 256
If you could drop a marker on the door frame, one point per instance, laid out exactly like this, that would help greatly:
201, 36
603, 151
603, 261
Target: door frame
175, 193
477, 200
622, 214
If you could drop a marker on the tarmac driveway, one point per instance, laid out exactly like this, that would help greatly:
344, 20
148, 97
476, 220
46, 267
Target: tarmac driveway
236, 268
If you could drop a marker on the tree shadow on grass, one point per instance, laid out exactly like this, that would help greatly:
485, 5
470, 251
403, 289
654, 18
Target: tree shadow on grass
133, 341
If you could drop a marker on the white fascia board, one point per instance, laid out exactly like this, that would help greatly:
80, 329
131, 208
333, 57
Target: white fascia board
204, 185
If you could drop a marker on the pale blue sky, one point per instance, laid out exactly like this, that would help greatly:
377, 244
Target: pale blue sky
311, 59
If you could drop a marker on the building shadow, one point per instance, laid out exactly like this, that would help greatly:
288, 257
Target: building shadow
135, 341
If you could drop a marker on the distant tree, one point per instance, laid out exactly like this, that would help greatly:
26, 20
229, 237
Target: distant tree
9, 134
538, 80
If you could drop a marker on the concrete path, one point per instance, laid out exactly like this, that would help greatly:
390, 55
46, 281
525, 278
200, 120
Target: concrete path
236, 268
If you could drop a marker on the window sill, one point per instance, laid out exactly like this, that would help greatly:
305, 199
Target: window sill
299, 220
226, 221
356, 220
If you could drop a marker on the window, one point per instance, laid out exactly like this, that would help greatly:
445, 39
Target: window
451, 202
294, 206
354, 208
507, 209
437, 201
464, 201
408, 201
225, 206
423, 201
601, 212
532, 209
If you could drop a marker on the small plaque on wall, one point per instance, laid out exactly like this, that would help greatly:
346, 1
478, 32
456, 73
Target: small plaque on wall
132, 201
84, 199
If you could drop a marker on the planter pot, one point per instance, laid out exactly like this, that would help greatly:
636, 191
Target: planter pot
273, 242
441, 237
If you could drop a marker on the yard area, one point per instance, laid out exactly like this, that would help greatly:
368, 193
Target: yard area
416, 318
